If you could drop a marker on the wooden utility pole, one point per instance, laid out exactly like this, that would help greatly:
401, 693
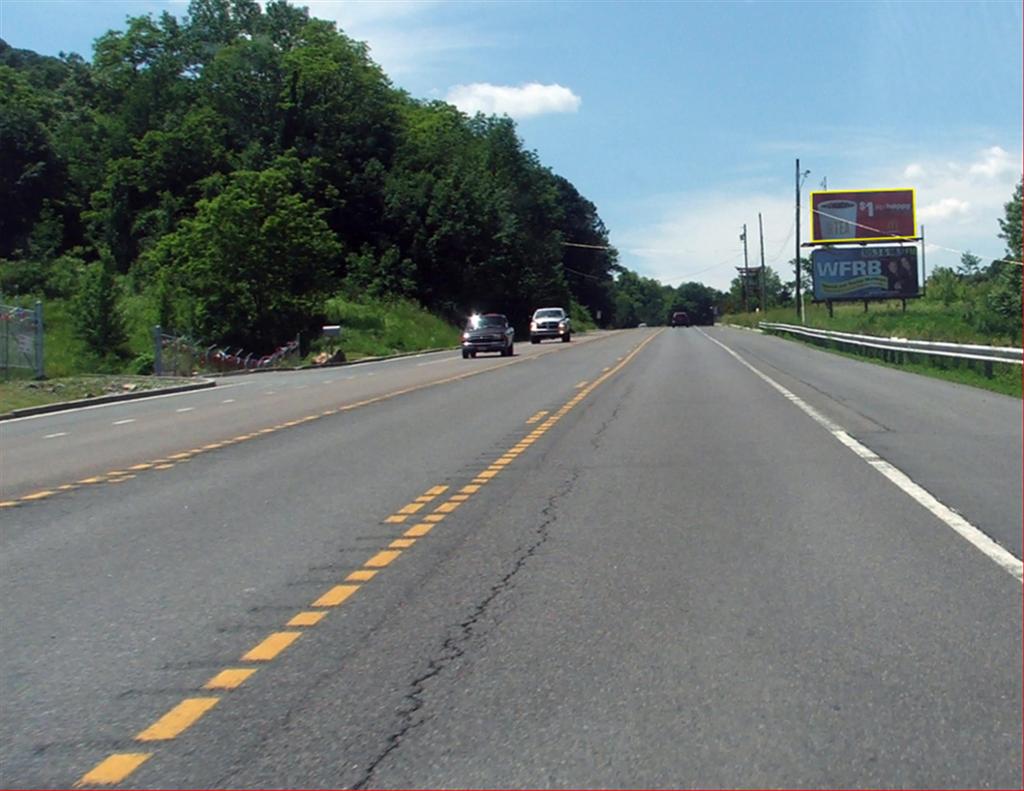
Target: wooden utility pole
743, 277
760, 228
799, 298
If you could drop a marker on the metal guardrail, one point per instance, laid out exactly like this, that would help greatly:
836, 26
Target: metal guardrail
960, 351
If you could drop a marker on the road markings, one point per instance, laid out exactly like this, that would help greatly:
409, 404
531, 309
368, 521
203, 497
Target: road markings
185, 409
124, 422
228, 401
978, 539
534, 418
178, 719
580, 384
164, 464
113, 769
58, 434
117, 767
307, 618
37, 495
382, 559
271, 646
231, 678
336, 595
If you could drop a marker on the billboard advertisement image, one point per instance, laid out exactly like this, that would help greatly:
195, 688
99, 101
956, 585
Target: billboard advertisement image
862, 215
864, 273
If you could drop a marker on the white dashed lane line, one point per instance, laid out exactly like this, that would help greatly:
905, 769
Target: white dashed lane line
58, 434
185, 409
228, 401
125, 421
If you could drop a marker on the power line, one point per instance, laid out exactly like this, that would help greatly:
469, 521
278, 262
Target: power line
899, 240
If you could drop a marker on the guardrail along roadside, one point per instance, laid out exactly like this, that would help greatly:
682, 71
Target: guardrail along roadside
901, 350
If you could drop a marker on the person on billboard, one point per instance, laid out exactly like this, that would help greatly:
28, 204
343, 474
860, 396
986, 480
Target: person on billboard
900, 275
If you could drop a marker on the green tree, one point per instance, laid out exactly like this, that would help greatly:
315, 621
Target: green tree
254, 264
96, 311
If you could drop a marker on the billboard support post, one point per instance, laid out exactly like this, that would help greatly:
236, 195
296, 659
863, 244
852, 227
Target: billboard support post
924, 268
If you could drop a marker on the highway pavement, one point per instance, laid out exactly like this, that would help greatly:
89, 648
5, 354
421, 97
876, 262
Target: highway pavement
649, 558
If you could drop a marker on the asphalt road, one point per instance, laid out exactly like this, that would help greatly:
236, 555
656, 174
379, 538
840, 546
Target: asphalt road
629, 562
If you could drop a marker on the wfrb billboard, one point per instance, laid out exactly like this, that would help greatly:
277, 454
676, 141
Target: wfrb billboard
862, 215
864, 273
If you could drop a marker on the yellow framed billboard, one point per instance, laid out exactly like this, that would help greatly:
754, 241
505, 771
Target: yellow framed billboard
878, 215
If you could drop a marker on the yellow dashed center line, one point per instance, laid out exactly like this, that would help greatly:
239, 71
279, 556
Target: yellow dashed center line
307, 618
381, 559
335, 595
113, 769
116, 767
37, 495
182, 716
271, 646
231, 678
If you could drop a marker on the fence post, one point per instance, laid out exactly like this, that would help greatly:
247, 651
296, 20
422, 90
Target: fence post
39, 339
158, 361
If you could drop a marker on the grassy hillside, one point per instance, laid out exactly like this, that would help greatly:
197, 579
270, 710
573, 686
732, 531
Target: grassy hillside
373, 327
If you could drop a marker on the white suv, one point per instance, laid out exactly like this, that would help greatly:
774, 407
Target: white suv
550, 323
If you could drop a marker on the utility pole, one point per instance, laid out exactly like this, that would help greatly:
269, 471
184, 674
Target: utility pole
760, 228
799, 297
743, 277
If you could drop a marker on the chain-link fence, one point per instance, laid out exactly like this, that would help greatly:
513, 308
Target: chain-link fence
177, 355
21, 339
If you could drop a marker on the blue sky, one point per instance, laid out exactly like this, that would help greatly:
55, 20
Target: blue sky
681, 120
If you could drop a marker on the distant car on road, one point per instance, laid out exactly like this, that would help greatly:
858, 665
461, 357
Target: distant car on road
642, 324
680, 318
550, 323
490, 332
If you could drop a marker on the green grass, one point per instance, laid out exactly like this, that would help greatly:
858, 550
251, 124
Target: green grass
372, 328
923, 321
21, 393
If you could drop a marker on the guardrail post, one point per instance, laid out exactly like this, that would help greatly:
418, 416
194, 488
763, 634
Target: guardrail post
988, 369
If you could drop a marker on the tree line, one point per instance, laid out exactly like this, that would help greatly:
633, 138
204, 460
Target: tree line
237, 166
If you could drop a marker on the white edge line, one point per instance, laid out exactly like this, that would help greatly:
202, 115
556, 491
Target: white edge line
978, 539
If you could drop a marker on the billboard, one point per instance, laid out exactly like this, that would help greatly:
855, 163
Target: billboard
862, 215
842, 273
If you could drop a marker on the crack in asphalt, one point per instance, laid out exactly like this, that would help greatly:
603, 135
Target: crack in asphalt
453, 647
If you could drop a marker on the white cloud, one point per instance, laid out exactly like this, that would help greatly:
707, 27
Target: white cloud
697, 236
408, 38
523, 101
994, 163
943, 209
913, 171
